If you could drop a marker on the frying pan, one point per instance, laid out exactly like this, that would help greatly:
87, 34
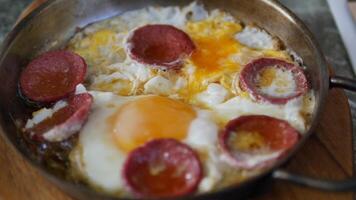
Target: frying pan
52, 25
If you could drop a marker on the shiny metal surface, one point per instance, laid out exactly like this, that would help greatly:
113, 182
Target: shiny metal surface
327, 185
346, 83
54, 23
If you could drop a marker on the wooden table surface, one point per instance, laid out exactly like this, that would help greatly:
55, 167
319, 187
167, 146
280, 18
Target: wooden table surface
353, 8
327, 154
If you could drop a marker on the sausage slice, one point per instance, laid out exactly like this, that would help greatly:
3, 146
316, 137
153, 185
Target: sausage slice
292, 80
160, 45
52, 76
162, 168
256, 141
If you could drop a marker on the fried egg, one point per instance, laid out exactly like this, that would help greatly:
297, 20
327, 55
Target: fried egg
223, 46
119, 124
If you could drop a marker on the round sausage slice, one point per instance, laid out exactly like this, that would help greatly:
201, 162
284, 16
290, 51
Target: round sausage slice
162, 168
256, 141
160, 45
52, 76
273, 80
64, 122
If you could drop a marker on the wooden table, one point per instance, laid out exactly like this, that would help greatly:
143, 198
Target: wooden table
353, 8
327, 154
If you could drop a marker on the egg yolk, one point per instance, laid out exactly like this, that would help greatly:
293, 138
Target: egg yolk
215, 44
147, 118
214, 55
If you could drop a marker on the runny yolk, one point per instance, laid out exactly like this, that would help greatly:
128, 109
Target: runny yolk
212, 55
214, 39
147, 118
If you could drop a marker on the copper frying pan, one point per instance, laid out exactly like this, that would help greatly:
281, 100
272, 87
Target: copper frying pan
51, 25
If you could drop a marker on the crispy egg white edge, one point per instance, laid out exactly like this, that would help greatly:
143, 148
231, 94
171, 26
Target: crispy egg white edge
172, 15
256, 38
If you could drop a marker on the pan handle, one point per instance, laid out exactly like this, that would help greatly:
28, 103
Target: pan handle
329, 185
336, 186
342, 82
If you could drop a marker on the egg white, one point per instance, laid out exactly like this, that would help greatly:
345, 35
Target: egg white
159, 85
215, 94
203, 136
43, 114
256, 38
96, 157
282, 86
240, 106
